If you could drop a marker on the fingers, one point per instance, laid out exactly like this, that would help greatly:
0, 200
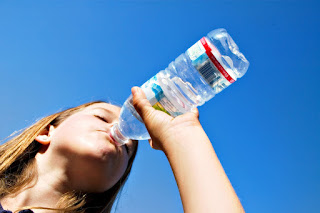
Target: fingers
196, 112
141, 103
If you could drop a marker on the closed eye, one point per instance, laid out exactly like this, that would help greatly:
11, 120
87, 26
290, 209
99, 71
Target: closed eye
101, 118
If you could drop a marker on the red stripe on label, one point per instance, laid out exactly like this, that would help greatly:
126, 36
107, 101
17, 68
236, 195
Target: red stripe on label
215, 61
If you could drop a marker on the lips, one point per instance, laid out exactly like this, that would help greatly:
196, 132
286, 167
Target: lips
113, 140
110, 138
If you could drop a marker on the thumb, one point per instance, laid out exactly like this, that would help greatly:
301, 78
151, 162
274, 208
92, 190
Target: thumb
141, 103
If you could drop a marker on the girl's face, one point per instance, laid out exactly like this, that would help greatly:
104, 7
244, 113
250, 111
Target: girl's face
83, 145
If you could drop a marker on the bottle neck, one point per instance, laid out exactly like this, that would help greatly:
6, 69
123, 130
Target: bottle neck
117, 135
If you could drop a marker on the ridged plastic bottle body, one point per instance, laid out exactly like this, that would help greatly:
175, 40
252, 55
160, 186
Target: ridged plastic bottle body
176, 82
193, 78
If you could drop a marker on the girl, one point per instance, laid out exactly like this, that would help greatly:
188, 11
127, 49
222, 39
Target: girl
67, 162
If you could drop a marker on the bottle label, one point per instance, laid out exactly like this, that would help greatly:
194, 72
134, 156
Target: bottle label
157, 99
204, 59
166, 106
153, 90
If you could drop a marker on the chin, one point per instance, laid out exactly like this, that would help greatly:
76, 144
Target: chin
99, 152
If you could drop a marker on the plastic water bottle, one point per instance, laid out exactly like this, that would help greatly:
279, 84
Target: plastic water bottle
205, 69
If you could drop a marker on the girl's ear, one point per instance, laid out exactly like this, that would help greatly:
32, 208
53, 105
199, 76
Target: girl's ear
44, 136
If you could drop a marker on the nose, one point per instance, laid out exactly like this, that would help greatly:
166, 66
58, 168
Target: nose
110, 125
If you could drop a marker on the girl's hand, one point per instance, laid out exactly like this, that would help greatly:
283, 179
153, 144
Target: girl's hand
202, 182
162, 127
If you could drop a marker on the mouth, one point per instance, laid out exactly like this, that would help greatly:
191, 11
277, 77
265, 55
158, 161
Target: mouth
110, 138
113, 140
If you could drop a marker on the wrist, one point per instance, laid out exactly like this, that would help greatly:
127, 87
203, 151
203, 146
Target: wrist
183, 141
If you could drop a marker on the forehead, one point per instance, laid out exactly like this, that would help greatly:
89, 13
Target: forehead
109, 107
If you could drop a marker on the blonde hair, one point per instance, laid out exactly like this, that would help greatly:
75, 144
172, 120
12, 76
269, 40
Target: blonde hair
18, 169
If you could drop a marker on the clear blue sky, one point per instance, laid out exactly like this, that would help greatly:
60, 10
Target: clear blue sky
265, 128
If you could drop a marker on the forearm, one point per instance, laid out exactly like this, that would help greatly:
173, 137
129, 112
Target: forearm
202, 182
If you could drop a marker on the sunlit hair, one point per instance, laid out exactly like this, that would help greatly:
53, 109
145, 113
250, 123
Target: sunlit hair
18, 169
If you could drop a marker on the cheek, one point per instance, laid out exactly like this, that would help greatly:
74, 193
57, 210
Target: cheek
83, 143
72, 130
